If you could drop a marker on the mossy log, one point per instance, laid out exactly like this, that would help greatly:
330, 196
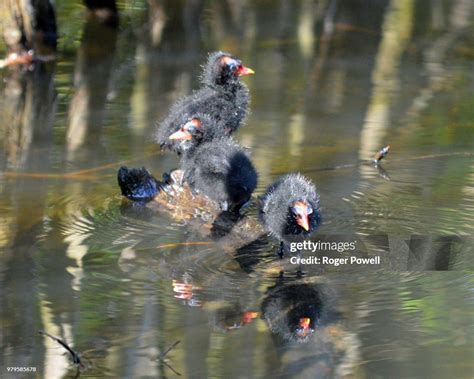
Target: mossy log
231, 231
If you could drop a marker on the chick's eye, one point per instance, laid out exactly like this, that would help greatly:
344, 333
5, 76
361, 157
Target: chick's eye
232, 65
191, 128
309, 210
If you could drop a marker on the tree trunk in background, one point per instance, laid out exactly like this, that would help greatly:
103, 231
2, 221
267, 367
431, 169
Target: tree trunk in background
29, 24
104, 11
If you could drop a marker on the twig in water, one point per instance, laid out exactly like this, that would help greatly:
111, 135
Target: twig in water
75, 356
400, 159
192, 243
171, 368
75, 175
163, 355
39, 175
113, 164
381, 154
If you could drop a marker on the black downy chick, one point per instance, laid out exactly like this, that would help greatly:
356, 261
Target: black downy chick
215, 166
222, 96
289, 209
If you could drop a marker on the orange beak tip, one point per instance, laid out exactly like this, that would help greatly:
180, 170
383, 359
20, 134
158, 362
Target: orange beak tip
304, 322
245, 71
250, 71
304, 222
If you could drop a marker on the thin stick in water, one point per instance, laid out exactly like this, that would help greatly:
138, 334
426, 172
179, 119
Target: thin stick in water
75, 356
169, 349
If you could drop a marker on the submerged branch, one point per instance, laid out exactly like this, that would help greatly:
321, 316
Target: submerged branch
75, 356
171, 245
163, 355
403, 159
40, 175
171, 368
113, 164
75, 175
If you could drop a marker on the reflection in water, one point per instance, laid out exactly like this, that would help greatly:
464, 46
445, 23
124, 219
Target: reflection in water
30, 109
396, 32
121, 285
303, 312
29, 104
293, 311
434, 68
91, 81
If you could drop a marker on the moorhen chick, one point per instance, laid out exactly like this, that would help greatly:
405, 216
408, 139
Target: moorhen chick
216, 167
137, 184
289, 209
222, 96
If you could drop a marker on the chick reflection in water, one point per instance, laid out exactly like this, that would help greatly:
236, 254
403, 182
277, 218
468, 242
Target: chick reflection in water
307, 328
292, 311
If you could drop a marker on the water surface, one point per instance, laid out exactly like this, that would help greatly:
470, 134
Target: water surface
335, 81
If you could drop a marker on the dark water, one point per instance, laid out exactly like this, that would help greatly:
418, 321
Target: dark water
335, 81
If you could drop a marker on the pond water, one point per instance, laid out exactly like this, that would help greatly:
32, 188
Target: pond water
335, 82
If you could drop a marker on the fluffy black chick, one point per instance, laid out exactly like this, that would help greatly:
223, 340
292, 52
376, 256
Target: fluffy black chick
289, 209
222, 96
215, 166
195, 130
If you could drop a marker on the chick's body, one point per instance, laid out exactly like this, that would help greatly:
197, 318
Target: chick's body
222, 96
221, 170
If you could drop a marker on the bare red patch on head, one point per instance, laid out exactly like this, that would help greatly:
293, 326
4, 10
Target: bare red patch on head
196, 122
300, 204
227, 60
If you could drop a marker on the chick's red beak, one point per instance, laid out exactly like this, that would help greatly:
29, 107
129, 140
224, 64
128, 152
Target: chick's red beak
303, 221
244, 71
302, 211
181, 135
304, 323
304, 328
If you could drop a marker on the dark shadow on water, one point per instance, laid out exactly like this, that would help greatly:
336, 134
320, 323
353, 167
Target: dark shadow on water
252, 254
